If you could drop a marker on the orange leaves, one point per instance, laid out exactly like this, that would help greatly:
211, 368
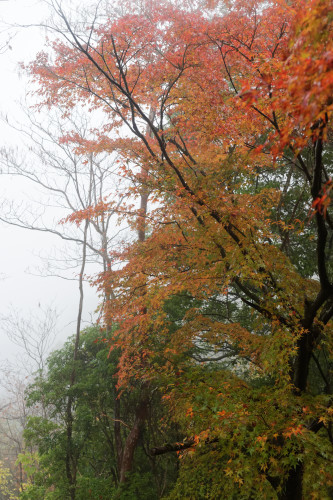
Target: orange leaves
293, 431
220, 87
211, 302
261, 439
308, 72
321, 203
234, 73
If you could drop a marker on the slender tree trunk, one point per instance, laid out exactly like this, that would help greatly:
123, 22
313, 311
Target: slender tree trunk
117, 405
143, 405
71, 459
131, 442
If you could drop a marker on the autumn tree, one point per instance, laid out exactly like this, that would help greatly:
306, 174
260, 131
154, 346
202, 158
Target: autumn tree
238, 152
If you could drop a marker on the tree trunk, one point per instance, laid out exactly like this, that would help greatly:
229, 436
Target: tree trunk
133, 438
71, 459
142, 408
293, 486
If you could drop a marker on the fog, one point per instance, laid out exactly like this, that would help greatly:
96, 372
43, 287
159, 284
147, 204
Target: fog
24, 254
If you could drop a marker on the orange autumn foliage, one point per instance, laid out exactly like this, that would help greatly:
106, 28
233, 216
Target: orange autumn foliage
238, 102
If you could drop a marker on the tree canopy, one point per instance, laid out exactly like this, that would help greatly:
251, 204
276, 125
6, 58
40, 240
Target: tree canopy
221, 115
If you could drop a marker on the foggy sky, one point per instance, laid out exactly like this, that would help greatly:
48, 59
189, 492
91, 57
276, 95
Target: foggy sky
20, 249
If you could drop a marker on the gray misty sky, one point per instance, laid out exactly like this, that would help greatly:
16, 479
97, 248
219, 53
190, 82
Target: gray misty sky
20, 250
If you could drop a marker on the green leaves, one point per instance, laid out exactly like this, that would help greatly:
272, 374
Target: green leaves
227, 295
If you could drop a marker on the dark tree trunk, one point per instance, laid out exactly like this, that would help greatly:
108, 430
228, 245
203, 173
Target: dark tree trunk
132, 439
293, 486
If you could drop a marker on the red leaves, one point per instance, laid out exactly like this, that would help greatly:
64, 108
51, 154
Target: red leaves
254, 80
220, 86
294, 431
321, 203
308, 72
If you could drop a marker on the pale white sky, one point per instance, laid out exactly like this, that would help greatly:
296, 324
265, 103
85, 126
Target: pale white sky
20, 249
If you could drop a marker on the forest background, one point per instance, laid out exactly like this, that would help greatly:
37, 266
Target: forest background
200, 133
